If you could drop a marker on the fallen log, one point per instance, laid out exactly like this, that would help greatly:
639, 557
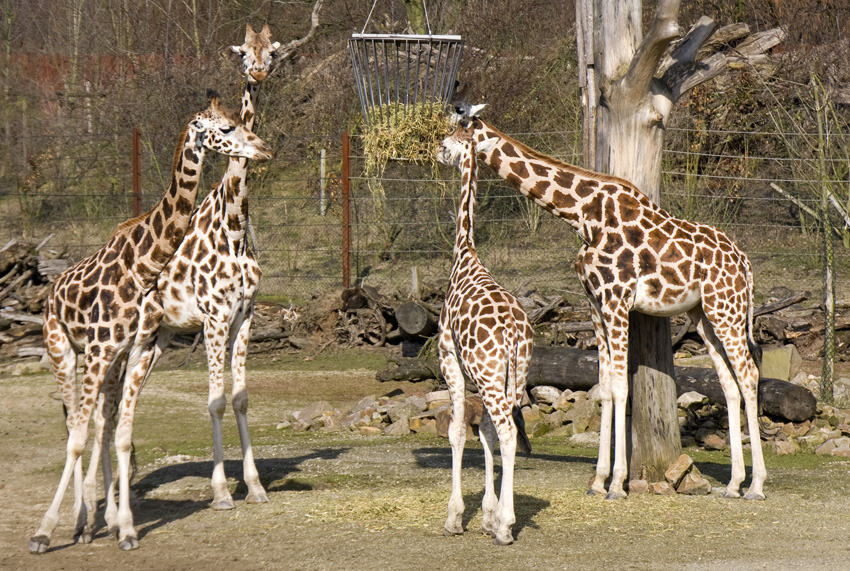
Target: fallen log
578, 370
415, 321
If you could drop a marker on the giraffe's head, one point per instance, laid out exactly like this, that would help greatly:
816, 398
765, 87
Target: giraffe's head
465, 140
220, 129
258, 54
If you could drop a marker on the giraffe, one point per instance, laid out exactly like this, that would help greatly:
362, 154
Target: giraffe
106, 308
636, 256
484, 335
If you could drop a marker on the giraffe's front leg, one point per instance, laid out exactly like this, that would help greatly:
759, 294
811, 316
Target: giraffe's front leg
239, 350
215, 339
617, 326
603, 460
457, 432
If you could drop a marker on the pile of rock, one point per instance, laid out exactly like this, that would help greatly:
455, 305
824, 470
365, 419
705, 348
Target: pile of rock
574, 416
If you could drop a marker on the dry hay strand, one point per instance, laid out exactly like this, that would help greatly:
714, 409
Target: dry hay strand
404, 132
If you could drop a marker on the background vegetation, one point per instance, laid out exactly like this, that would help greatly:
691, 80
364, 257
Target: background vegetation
78, 75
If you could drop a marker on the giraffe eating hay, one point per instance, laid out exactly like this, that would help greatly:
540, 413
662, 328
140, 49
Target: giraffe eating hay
638, 257
484, 335
104, 307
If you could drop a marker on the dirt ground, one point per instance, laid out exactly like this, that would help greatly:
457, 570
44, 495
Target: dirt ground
351, 502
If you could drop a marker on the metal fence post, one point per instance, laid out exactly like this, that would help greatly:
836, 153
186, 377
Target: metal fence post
346, 212
137, 171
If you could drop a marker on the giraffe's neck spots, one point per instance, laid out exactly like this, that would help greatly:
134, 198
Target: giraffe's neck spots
584, 199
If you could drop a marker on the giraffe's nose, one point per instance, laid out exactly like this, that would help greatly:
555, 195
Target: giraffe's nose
259, 75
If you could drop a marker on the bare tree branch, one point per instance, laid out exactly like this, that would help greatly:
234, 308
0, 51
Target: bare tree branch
286, 51
663, 31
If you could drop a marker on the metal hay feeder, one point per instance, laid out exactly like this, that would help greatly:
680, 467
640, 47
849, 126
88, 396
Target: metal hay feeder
393, 70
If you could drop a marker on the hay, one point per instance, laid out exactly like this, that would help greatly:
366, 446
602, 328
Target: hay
404, 132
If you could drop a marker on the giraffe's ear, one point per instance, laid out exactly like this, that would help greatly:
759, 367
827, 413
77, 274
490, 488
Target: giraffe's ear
276, 46
486, 145
237, 50
267, 32
249, 32
474, 110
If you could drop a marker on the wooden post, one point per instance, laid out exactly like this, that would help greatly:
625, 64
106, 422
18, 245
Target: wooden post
137, 171
346, 212
323, 183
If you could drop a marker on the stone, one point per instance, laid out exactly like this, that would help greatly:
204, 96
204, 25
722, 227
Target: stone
585, 440
784, 447
843, 452
401, 410
369, 431
661, 489
713, 442
580, 425
582, 408
532, 414
693, 484
283, 425
691, 399
781, 363
564, 402
417, 403
638, 487
370, 402
595, 393
678, 469
423, 425
826, 448
545, 394
313, 411
399, 428
436, 399
554, 419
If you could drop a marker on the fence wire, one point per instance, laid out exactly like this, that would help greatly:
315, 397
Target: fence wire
80, 197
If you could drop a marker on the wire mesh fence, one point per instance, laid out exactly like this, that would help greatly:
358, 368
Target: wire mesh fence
296, 215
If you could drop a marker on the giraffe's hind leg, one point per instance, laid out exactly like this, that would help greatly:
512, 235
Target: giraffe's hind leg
489, 503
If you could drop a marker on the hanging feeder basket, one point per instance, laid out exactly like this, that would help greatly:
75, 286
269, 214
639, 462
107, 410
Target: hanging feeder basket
398, 73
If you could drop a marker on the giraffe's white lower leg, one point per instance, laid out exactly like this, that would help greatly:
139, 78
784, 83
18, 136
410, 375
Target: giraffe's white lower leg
215, 339
256, 492
620, 389
489, 503
457, 439
503, 534
603, 461
73, 463
756, 489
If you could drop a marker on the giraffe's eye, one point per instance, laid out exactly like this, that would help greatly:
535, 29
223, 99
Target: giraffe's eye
226, 130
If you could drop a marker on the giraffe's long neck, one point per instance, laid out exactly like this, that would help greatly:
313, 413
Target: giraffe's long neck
234, 199
157, 234
583, 198
464, 248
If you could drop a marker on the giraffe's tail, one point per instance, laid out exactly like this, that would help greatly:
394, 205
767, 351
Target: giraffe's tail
516, 412
754, 348
521, 436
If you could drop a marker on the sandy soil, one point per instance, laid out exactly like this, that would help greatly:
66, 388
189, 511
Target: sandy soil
351, 502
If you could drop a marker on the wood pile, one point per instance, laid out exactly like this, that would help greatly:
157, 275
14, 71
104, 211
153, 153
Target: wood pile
26, 273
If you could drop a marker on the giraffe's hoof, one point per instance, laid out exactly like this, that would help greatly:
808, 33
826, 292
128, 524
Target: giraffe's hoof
503, 539
39, 544
261, 498
755, 496
592, 492
129, 543
223, 504
453, 531
83, 535
730, 494
621, 495
112, 531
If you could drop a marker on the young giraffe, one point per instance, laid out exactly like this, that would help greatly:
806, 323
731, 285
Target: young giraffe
104, 307
484, 335
636, 256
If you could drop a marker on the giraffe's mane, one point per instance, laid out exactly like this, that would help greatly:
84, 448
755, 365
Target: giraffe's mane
552, 161
177, 153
